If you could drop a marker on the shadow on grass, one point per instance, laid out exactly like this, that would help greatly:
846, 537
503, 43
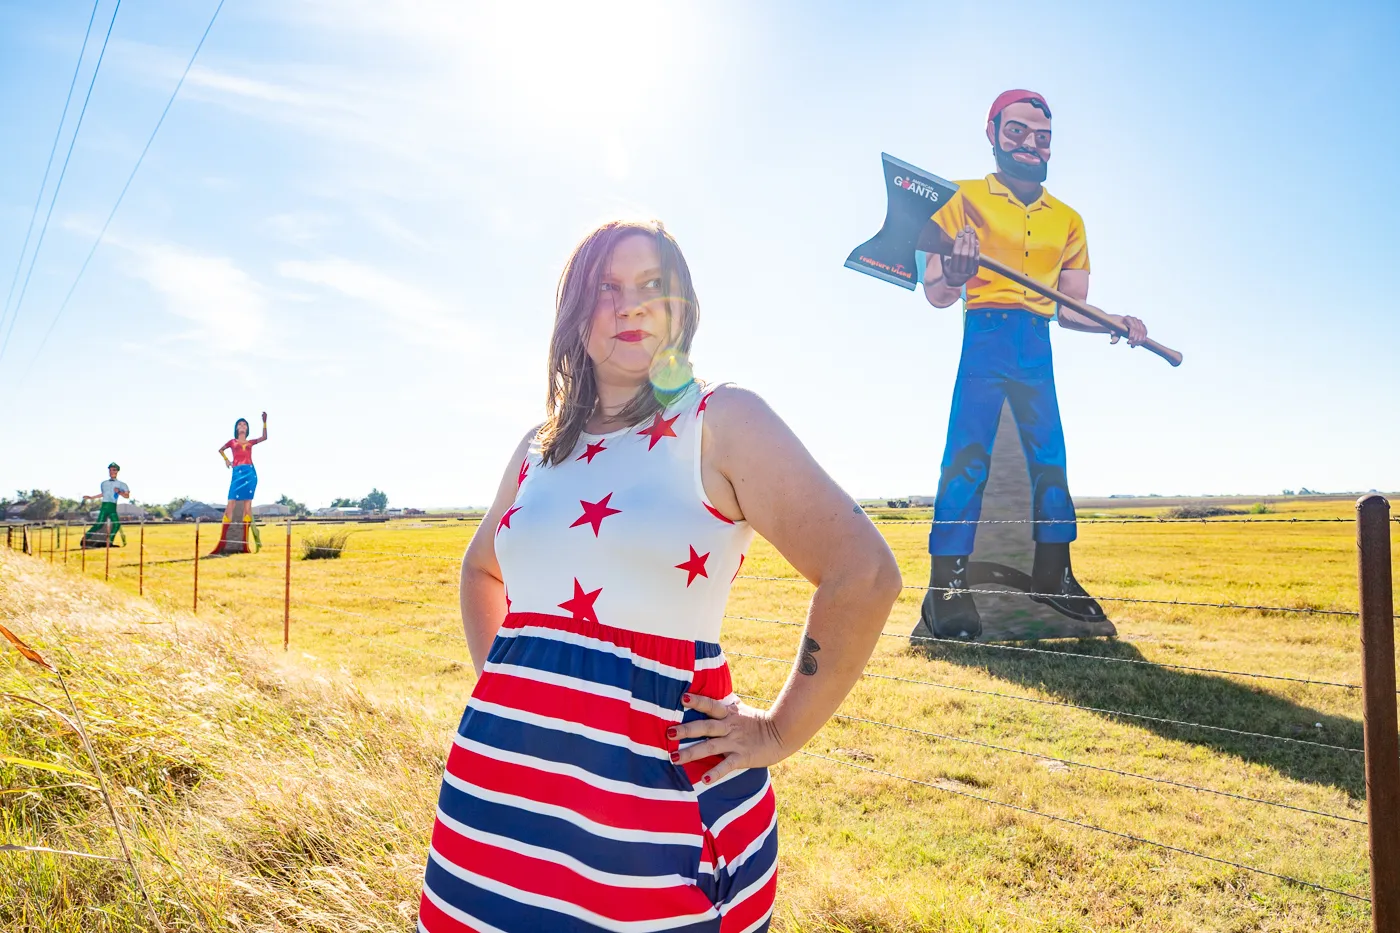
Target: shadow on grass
1186, 696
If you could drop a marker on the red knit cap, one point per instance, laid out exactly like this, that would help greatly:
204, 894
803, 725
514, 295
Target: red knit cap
1007, 98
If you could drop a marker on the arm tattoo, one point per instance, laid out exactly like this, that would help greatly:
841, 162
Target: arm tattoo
856, 509
807, 659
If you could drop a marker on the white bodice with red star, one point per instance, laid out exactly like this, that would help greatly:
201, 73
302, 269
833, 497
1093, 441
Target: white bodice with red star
621, 534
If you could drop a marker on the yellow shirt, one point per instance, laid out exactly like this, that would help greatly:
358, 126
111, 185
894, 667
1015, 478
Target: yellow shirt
1040, 240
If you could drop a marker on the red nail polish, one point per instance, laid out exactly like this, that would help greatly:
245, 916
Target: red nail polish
670, 733
706, 779
685, 698
675, 756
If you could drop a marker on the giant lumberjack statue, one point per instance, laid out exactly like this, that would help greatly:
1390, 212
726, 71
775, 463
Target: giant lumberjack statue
1009, 217
1018, 258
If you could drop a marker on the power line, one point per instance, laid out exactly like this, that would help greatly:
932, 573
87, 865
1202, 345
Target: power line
53, 151
58, 186
134, 169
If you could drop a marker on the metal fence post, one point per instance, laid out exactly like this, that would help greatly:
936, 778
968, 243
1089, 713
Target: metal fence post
1379, 717
65, 542
141, 562
107, 553
287, 592
196, 565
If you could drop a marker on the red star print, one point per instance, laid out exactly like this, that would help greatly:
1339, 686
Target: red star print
704, 402
581, 606
719, 515
524, 469
737, 569
592, 451
505, 519
695, 566
507, 592
594, 513
660, 427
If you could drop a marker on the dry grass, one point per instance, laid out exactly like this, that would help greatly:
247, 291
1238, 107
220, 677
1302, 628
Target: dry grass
304, 784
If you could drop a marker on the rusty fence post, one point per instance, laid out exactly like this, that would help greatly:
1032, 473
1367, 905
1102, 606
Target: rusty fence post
196, 565
1379, 717
141, 562
287, 592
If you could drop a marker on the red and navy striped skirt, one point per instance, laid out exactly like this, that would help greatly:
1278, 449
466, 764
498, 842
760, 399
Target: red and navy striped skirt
562, 811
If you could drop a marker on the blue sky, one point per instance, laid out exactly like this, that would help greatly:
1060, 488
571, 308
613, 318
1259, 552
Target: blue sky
356, 212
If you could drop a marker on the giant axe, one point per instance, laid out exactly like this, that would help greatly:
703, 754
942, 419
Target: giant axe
913, 196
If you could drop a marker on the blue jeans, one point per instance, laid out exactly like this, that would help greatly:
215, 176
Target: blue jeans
1005, 357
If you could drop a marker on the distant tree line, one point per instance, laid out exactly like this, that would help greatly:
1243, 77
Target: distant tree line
376, 501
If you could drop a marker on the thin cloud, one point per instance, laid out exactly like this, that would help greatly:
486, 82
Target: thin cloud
414, 314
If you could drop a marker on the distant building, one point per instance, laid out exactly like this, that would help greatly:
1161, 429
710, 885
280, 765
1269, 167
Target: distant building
339, 512
16, 510
130, 512
197, 510
275, 509
921, 502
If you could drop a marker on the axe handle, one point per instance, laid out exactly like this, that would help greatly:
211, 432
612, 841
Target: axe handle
1089, 311
934, 240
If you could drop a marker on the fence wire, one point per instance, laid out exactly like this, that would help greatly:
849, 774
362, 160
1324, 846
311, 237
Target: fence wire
1114, 599
1063, 705
963, 643
1090, 826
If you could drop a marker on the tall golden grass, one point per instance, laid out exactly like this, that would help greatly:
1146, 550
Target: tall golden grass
295, 792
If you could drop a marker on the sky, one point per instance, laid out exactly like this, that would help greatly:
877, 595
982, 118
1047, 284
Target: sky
356, 212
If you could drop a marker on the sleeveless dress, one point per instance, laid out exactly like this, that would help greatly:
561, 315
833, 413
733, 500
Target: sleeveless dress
243, 484
561, 810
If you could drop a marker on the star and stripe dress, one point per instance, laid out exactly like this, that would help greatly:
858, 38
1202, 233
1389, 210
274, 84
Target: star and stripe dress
561, 809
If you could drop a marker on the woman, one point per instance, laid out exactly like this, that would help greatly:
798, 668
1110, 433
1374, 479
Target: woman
244, 482
604, 776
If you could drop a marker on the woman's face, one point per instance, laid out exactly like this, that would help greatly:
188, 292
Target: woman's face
629, 313
240, 430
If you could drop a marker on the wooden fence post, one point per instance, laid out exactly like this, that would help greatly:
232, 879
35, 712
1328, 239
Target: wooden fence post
196, 565
1379, 717
141, 563
287, 592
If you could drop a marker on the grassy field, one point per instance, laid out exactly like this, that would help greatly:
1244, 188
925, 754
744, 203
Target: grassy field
294, 791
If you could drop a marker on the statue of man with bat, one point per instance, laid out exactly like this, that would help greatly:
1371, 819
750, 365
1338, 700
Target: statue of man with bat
1018, 258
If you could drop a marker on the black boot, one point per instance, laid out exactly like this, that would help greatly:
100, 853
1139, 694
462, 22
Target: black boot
947, 612
1056, 587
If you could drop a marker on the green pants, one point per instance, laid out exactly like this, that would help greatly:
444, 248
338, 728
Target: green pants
107, 513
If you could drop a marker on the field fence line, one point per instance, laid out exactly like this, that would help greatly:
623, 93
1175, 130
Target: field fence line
1087, 709
993, 646
1142, 840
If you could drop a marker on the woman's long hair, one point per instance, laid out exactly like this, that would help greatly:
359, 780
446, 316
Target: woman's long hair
573, 387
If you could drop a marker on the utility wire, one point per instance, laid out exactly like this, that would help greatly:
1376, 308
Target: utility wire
53, 151
134, 169
58, 186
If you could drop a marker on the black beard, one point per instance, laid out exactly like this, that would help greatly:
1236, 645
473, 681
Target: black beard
1021, 171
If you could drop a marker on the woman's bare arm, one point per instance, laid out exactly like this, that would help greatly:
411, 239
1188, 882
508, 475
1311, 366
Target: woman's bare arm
483, 594
787, 497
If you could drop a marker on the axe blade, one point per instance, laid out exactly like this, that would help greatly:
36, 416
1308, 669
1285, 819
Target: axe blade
912, 197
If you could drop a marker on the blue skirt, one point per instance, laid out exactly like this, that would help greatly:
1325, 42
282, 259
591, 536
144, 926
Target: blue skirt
244, 482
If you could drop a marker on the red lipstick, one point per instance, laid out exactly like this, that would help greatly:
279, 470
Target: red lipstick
632, 336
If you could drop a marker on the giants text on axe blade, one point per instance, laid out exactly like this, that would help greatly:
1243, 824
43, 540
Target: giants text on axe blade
913, 195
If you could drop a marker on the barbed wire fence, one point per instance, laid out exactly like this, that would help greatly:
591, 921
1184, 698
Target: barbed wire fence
1377, 757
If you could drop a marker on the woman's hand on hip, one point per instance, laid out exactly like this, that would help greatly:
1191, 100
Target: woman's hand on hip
743, 735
